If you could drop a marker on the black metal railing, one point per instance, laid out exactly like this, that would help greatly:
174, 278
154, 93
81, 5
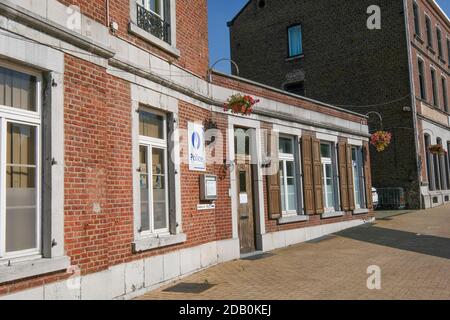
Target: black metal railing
153, 24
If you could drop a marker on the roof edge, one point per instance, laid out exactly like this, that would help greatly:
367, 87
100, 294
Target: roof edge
230, 23
441, 11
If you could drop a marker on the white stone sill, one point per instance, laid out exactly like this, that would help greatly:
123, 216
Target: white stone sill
149, 243
360, 211
135, 30
31, 268
334, 214
293, 219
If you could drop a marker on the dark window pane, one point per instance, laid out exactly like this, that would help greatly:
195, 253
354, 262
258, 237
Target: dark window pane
151, 125
297, 88
242, 182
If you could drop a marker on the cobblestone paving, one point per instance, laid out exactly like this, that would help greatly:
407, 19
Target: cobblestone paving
412, 250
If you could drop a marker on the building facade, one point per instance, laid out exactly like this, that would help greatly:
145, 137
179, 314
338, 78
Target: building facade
331, 51
120, 169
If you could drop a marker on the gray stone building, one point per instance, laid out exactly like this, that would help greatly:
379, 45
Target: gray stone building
326, 50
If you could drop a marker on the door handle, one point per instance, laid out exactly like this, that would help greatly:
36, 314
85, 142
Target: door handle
244, 217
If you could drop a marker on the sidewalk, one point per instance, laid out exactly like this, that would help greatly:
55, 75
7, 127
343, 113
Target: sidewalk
412, 251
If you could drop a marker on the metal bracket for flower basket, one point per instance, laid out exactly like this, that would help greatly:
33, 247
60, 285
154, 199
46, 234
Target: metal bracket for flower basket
379, 116
210, 70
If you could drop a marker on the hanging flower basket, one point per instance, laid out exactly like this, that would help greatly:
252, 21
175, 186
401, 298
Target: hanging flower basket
240, 104
437, 149
381, 140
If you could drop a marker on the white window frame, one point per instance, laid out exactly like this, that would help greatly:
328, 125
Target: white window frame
325, 162
290, 40
357, 169
284, 158
146, 5
151, 143
29, 118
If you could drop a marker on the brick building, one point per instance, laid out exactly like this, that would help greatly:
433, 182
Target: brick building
325, 50
120, 170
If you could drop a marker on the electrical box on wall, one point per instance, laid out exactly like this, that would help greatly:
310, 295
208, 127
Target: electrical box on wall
208, 187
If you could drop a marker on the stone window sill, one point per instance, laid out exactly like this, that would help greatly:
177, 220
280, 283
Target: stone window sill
335, 214
294, 58
419, 38
360, 211
31, 268
135, 30
293, 219
150, 243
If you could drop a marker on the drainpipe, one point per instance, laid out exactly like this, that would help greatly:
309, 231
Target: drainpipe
107, 15
413, 98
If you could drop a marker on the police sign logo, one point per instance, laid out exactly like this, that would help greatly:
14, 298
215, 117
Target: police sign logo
197, 152
196, 140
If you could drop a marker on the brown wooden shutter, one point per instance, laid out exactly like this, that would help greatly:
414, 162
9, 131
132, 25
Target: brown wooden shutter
317, 172
343, 181
368, 175
350, 178
308, 177
273, 180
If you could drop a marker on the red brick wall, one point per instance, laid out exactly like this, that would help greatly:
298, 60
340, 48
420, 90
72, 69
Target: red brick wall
98, 166
99, 170
93, 9
209, 225
430, 57
192, 29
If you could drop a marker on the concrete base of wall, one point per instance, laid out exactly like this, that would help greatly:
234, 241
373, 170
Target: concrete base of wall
433, 199
130, 280
281, 239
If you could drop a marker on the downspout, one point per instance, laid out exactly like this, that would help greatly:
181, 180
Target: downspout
108, 22
413, 98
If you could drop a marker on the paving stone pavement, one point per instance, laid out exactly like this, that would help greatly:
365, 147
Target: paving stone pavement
412, 251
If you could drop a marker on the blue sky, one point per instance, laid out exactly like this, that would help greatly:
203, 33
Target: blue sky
222, 11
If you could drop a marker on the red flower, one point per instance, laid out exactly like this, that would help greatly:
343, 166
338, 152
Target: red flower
240, 104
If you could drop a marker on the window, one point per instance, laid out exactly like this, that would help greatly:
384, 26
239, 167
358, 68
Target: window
297, 88
295, 41
429, 32
435, 89
20, 208
155, 6
358, 177
438, 168
445, 93
416, 18
329, 177
153, 16
288, 183
153, 173
423, 93
448, 51
439, 41
447, 158
429, 161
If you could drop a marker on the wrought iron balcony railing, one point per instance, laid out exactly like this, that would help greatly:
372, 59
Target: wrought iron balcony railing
153, 24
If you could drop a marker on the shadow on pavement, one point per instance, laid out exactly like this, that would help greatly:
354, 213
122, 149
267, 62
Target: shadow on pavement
425, 244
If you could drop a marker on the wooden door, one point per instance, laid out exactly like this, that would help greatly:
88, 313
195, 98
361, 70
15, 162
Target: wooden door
246, 216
